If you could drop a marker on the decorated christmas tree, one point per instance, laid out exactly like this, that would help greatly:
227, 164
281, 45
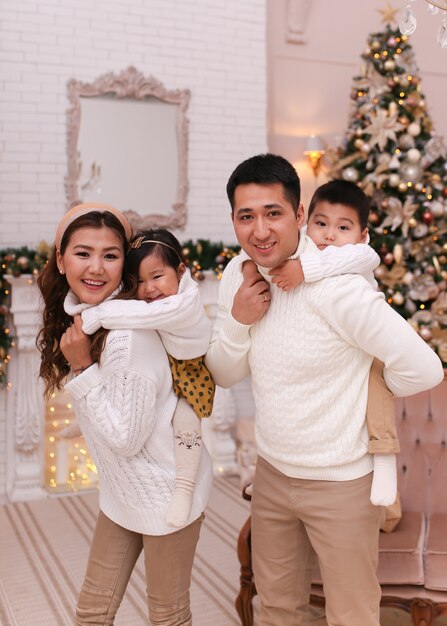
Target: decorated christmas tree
392, 152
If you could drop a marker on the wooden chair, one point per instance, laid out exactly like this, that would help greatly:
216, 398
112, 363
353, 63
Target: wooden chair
413, 558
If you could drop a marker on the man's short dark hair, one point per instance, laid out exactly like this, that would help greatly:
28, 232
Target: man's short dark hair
342, 192
267, 169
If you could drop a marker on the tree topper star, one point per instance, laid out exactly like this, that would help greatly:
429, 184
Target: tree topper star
388, 13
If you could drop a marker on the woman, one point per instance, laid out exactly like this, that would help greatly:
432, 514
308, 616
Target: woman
124, 402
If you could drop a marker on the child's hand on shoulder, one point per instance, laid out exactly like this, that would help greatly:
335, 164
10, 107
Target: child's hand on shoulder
288, 275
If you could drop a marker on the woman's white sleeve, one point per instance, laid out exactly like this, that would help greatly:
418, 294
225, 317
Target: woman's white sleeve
119, 406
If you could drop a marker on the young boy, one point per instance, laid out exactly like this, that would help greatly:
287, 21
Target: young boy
338, 215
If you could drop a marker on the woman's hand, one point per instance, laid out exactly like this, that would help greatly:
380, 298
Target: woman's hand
75, 346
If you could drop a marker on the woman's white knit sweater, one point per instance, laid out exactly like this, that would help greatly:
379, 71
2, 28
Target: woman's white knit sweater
125, 408
309, 357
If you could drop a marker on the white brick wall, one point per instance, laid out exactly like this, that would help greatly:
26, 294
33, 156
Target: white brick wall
216, 48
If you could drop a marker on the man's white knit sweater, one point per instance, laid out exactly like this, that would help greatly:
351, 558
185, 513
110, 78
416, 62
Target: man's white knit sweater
309, 357
125, 408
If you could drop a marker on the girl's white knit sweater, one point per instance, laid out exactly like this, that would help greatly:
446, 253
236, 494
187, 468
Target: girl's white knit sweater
125, 408
309, 358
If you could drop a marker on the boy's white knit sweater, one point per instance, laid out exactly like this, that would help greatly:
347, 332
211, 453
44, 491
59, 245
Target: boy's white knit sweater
125, 408
309, 357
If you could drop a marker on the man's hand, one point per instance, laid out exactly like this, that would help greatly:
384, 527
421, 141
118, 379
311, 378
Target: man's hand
288, 275
75, 346
253, 297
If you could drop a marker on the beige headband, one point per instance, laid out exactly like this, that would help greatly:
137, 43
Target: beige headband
140, 240
89, 207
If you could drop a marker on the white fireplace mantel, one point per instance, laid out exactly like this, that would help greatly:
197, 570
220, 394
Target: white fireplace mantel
25, 401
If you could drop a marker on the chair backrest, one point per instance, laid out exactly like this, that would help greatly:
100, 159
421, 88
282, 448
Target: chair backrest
422, 463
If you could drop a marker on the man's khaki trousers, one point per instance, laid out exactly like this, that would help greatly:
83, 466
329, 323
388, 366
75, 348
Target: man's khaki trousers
295, 521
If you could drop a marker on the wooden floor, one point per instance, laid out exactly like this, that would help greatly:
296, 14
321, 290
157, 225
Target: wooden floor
43, 553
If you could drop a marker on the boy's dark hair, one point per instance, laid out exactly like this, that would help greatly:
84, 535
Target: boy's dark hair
168, 250
267, 169
342, 192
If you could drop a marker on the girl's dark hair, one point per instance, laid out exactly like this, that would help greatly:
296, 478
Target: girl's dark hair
146, 243
54, 287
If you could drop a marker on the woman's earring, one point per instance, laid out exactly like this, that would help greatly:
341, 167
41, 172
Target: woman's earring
61, 272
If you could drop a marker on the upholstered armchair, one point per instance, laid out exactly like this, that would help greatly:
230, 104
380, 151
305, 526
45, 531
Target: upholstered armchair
413, 558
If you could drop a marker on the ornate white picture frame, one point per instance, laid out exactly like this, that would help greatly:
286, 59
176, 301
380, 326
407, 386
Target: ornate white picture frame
165, 170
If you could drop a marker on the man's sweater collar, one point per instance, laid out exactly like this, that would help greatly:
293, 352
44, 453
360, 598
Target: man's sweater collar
305, 244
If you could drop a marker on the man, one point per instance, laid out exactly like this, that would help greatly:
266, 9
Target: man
309, 351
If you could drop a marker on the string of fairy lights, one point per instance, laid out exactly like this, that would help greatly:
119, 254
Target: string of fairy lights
68, 464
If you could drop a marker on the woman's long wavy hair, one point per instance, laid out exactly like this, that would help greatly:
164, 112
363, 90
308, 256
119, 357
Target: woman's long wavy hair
54, 287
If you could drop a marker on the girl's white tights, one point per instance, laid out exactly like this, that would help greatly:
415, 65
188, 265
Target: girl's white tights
188, 449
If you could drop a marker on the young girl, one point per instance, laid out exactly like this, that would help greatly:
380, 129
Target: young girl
155, 257
124, 402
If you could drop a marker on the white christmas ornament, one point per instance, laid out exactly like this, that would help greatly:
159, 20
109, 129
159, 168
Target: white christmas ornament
414, 129
437, 208
410, 172
413, 155
394, 180
351, 174
398, 298
389, 65
406, 142
420, 231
